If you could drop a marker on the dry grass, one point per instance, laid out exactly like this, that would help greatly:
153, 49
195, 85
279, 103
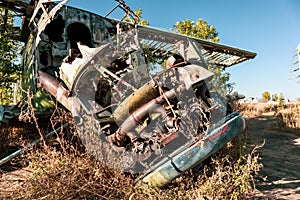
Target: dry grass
252, 110
67, 173
61, 169
288, 115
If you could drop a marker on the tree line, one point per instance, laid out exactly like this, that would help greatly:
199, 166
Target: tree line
10, 68
266, 96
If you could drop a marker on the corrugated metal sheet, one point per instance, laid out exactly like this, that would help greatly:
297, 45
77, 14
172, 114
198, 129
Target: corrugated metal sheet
214, 53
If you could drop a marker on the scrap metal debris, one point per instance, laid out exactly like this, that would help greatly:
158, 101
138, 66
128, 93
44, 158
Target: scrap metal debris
142, 98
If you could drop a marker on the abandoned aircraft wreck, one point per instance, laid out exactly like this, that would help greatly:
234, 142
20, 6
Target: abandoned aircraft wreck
139, 95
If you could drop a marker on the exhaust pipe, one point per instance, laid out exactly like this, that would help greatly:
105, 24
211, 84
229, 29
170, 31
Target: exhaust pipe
56, 88
137, 116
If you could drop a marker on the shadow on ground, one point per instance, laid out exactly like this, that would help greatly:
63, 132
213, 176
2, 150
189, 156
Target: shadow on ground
280, 156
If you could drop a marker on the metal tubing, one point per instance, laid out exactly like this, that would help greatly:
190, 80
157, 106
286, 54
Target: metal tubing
137, 116
55, 88
133, 102
16, 153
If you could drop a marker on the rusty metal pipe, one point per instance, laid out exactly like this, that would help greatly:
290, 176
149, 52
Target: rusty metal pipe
137, 99
56, 88
136, 117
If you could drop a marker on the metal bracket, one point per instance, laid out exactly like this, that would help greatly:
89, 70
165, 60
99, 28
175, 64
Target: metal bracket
128, 12
5, 115
2, 114
46, 17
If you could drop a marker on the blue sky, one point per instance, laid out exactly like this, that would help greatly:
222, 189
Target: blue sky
271, 28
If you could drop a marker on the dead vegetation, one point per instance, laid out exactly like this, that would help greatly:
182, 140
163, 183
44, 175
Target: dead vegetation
288, 115
61, 169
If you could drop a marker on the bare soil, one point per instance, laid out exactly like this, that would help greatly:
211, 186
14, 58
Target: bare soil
280, 156
12, 180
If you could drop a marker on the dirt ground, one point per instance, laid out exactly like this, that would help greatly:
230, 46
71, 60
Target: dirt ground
280, 156
11, 180
280, 176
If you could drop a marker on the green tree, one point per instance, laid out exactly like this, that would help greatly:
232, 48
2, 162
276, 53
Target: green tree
280, 99
201, 29
221, 80
9, 51
274, 97
266, 96
138, 13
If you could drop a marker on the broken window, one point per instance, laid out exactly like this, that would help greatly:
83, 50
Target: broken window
78, 32
55, 29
